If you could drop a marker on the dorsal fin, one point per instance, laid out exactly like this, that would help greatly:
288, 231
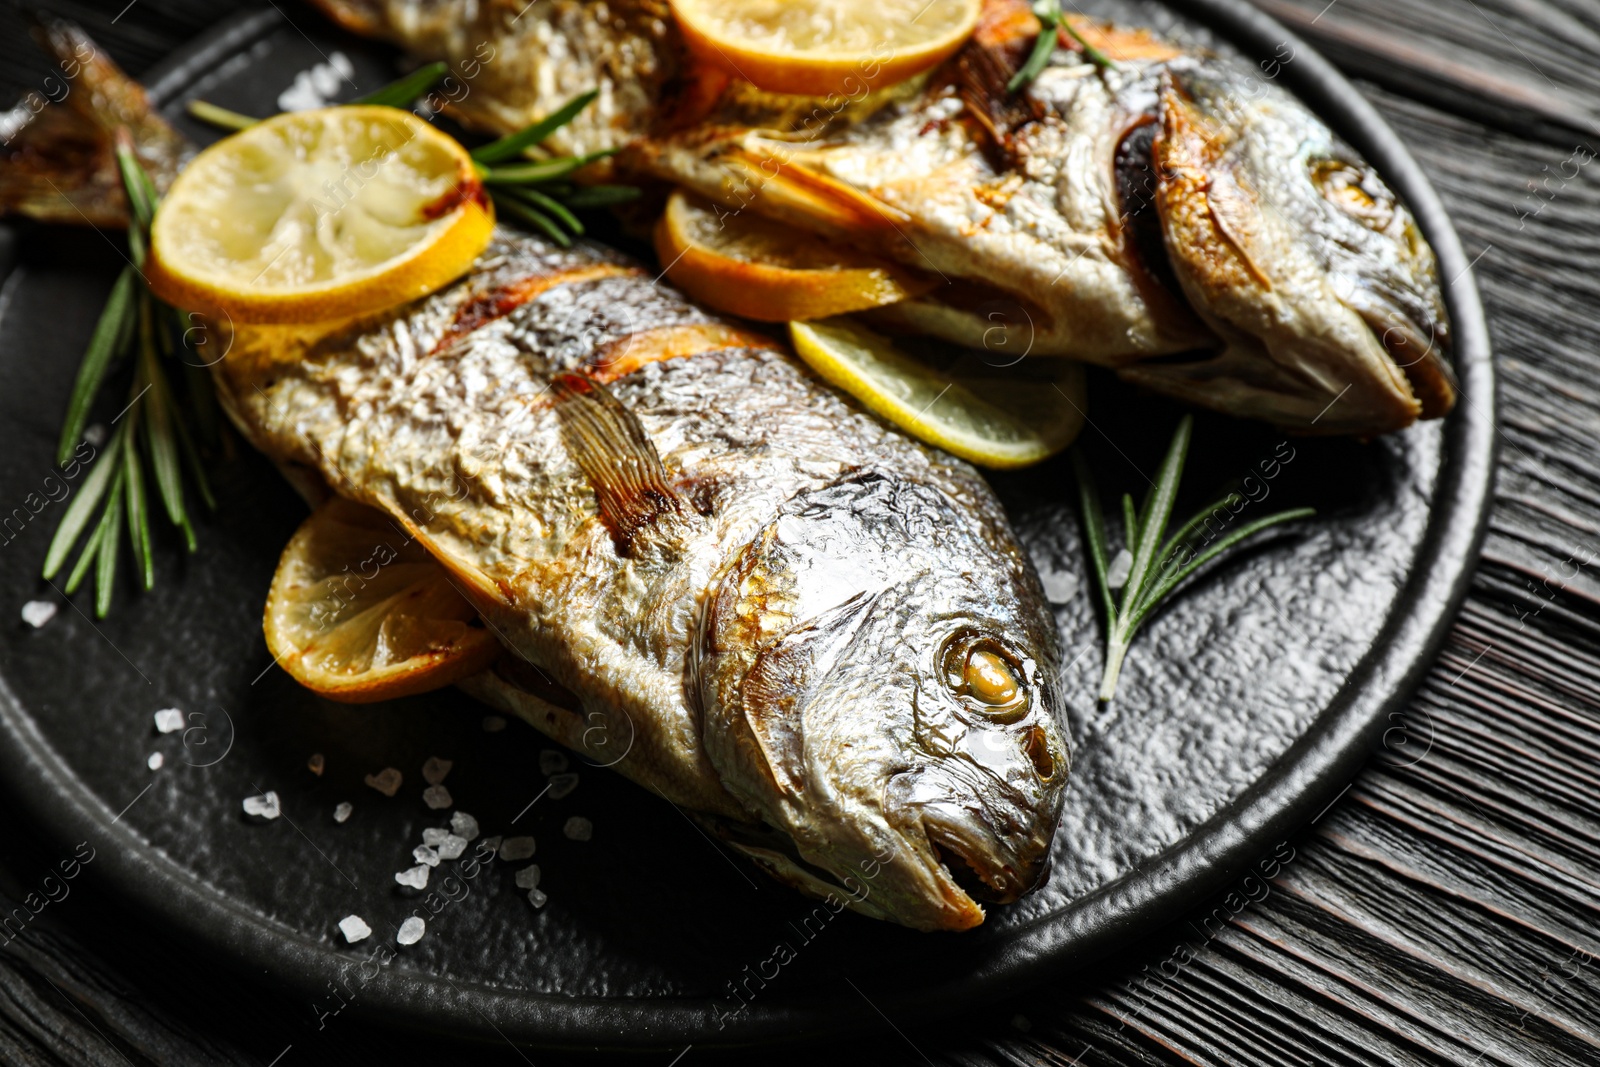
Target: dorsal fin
616, 456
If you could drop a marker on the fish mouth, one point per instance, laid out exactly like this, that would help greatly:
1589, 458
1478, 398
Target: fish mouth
977, 864
1416, 344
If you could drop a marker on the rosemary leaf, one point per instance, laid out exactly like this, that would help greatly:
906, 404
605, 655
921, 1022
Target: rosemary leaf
220, 117
544, 170
402, 91
1090, 52
1049, 15
138, 516
98, 543
536, 218
135, 182
1152, 523
1130, 522
1248, 530
82, 507
515, 144
536, 199
105, 572
159, 435
86, 558
601, 196
110, 336
1094, 526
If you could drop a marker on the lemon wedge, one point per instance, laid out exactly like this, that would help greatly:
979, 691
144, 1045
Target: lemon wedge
746, 265
359, 612
319, 215
999, 417
818, 47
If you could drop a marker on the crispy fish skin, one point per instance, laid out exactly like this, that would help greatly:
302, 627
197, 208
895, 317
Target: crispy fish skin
1022, 202
716, 564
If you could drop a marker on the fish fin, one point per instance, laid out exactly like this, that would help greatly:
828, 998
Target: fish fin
612, 449
57, 146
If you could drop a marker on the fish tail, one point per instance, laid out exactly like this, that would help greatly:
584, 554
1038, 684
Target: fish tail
57, 145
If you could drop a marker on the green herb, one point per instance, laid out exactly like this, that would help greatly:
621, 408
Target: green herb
402, 91
1051, 21
220, 116
1160, 563
150, 430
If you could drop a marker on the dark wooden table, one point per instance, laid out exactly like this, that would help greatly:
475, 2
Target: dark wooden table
1444, 910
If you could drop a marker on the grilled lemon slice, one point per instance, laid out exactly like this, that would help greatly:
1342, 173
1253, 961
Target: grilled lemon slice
746, 265
318, 215
360, 612
1000, 417
818, 47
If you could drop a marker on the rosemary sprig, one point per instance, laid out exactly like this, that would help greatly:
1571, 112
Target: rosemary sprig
532, 190
1051, 21
147, 431
1159, 563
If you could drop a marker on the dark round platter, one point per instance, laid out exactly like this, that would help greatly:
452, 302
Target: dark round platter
1243, 710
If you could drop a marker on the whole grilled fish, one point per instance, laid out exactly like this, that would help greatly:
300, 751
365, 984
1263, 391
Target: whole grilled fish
802, 624
1177, 204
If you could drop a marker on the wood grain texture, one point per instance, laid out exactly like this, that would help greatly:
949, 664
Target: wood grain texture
1445, 910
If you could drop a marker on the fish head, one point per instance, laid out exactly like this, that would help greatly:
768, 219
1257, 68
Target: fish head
878, 683
1299, 256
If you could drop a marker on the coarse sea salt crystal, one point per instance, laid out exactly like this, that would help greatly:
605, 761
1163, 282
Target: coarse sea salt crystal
562, 785
424, 854
537, 898
433, 836
155, 761
528, 877
516, 848
95, 435
578, 829
552, 762
264, 806
416, 877
452, 847
464, 825
354, 928
493, 724
436, 797
435, 769
38, 612
316, 763
342, 811
410, 931
386, 781
169, 720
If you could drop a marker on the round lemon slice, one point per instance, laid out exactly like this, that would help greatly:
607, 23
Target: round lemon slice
1000, 417
746, 265
318, 215
818, 47
359, 612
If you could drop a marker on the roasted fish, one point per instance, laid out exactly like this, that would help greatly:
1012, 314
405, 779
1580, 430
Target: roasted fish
1179, 218
816, 633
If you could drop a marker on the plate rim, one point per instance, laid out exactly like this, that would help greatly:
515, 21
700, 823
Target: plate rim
1301, 783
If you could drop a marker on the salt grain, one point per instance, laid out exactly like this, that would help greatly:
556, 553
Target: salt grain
516, 848
38, 612
493, 724
562, 785
537, 898
578, 829
155, 761
464, 825
168, 720
342, 811
264, 806
354, 928
315, 764
435, 769
416, 877
452, 847
386, 781
410, 931
433, 836
528, 877
424, 854
95, 435
436, 797
552, 762
491, 843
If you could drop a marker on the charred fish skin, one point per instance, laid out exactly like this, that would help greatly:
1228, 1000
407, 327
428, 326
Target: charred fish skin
791, 615
1301, 280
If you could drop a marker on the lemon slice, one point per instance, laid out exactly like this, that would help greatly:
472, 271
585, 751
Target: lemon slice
1001, 417
750, 266
318, 215
359, 612
818, 47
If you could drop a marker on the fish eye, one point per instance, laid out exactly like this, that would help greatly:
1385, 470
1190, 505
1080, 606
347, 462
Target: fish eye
1355, 191
985, 677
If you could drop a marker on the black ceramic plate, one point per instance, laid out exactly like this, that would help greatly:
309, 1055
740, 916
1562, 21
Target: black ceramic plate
1243, 709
